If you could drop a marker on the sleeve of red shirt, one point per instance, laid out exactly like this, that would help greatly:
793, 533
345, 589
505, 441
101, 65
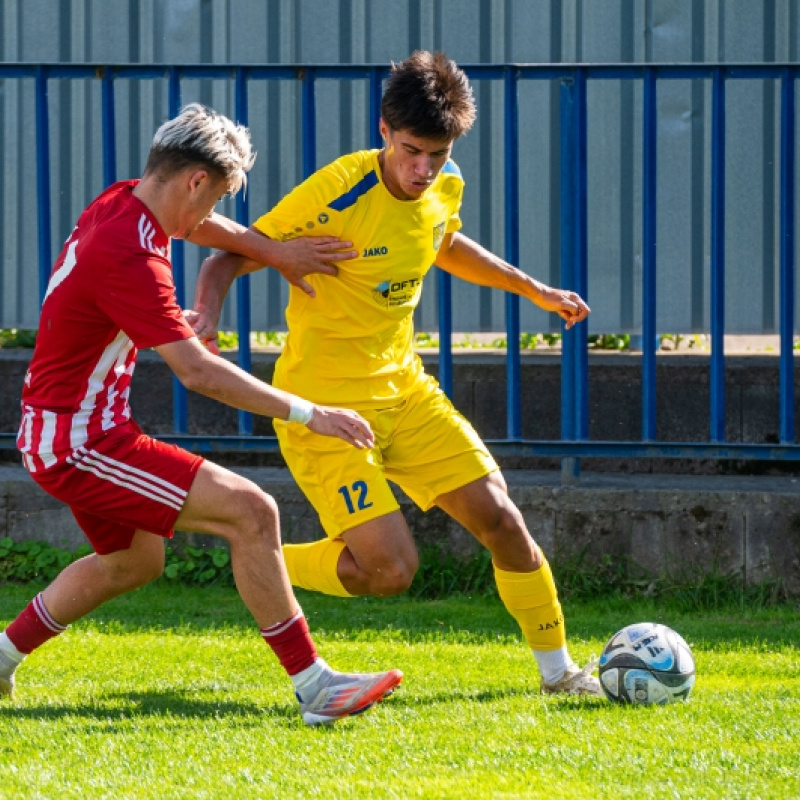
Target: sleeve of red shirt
139, 296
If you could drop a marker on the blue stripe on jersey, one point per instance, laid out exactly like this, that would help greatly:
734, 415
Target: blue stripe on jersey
350, 197
451, 167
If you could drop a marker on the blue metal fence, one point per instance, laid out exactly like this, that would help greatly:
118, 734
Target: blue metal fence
572, 81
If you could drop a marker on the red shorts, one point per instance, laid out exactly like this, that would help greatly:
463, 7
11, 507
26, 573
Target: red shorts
121, 483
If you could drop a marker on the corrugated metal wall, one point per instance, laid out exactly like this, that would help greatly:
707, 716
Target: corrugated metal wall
471, 31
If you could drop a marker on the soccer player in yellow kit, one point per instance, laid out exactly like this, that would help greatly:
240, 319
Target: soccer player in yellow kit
350, 344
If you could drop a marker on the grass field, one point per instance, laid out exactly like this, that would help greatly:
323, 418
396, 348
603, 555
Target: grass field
169, 693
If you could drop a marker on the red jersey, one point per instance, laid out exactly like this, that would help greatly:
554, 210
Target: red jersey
111, 293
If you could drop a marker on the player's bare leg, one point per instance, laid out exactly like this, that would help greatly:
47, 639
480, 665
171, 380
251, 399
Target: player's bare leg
225, 504
79, 589
484, 508
523, 578
95, 579
381, 558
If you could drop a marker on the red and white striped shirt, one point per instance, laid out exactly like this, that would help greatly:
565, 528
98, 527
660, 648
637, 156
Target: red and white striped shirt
111, 293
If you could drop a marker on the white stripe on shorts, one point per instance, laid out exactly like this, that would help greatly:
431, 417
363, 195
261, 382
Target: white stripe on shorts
128, 477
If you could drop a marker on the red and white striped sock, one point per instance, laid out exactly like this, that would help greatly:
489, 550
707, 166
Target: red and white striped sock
33, 627
292, 643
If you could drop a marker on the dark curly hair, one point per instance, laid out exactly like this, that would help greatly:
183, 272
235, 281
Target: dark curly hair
429, 95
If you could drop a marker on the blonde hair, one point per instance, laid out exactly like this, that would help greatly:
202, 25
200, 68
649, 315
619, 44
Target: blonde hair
200, 136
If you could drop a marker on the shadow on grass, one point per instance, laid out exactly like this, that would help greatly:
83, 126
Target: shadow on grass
119, 707
180, 704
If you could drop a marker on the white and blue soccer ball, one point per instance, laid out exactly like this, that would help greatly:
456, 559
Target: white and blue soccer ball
646, 663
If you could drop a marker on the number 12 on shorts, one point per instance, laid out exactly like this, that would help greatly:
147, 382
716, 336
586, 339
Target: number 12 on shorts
359, 493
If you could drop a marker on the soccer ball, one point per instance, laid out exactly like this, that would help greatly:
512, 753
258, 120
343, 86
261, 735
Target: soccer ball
646, 663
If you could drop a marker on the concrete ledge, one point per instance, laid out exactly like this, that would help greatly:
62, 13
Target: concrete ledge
658, 524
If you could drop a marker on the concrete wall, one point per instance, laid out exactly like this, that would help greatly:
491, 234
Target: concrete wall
680, 524
656, 525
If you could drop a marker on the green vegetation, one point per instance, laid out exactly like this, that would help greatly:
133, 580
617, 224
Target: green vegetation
609, 341
468, 341
13, 337
168, 692
229, 340
440, 574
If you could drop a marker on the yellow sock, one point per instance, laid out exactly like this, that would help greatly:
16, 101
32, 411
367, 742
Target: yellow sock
532, 600
313, 566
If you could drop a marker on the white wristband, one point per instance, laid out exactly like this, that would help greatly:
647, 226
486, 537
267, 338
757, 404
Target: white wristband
300, 410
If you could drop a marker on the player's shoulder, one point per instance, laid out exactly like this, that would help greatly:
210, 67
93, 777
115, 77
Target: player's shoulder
451, 169
449, 182
350, 169
351, 177
126, 224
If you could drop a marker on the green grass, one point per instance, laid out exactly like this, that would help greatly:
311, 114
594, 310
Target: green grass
169, 693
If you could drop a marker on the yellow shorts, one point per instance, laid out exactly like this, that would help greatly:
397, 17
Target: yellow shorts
423, 445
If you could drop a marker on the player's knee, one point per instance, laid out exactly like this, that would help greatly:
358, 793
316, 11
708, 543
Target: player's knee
150, 570
257, 517
392, 579
125, 576
504, 524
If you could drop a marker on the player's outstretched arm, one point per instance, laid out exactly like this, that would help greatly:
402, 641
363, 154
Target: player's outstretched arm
202, 372
295, 259
466, 259
214, 280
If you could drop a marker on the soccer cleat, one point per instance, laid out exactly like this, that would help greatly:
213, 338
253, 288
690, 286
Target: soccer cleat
576, 681
341, 694
7, 667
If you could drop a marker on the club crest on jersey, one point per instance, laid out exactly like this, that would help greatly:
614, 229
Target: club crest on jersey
396, 293
438, 235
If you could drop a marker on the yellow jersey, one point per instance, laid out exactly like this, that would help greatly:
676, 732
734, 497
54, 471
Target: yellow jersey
352, 345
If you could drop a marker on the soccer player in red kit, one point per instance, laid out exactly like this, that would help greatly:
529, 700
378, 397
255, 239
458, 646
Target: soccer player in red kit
110, 294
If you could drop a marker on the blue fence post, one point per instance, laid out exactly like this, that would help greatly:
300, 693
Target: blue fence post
109, 128
43, 181
579, 334
717, 377
649, 233
309, 122
243, 320
513, 402
787, 281
375, 97
444, 289
574, 357
179, 400
570, 465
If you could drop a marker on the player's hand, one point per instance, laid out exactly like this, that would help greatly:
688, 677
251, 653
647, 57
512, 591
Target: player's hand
308, 255
204, 324
344, 424
568, 305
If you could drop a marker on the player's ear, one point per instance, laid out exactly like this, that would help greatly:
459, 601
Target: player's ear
197, 178
383, 128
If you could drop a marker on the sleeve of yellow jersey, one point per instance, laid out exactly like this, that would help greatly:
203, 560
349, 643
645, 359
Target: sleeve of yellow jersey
454, 223
305, 211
